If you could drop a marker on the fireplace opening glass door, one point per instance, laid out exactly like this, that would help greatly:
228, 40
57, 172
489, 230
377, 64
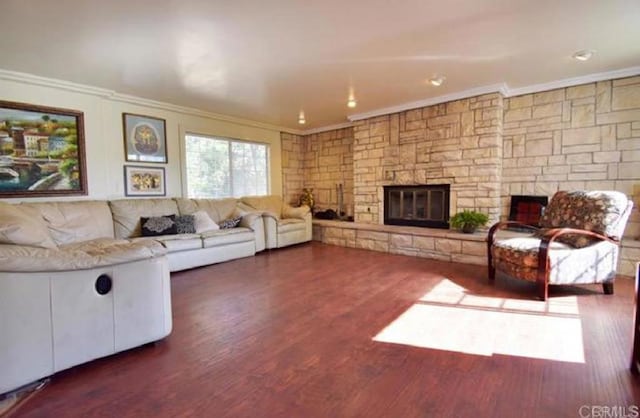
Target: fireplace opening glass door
417, 205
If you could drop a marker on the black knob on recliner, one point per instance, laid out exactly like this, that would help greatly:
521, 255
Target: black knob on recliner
103, 284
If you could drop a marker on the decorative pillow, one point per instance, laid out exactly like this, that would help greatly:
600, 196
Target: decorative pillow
230, 223
23, 226
158, 225
186, 224
203, 222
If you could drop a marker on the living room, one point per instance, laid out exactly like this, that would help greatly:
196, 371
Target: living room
349, 316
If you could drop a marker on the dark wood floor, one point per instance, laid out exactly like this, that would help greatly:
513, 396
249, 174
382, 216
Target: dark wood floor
289, 333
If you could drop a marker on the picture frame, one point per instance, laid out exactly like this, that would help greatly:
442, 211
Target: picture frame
144, 181
42, 151
145, 139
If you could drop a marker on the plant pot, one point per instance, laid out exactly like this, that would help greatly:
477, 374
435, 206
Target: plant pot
468, 229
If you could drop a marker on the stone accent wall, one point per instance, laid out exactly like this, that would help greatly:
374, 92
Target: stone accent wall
328, 161
457, 143
292, 167
582, 137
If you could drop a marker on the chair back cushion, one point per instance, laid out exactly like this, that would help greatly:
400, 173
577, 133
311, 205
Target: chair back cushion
603, 212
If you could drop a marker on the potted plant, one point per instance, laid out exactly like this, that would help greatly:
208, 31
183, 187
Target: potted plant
468, 221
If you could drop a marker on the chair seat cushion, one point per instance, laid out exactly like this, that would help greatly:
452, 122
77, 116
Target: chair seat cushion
518, 257
521, 251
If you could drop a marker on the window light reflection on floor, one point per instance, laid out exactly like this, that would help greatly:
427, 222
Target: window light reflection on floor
447, 318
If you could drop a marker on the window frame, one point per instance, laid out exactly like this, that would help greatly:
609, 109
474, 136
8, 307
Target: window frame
230, 140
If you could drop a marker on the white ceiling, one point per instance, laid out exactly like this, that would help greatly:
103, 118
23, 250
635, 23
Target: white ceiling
266, 60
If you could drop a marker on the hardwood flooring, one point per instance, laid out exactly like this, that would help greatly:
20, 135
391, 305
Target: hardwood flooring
290, 333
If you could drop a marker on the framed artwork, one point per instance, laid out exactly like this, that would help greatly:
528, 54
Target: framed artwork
41, 151
145, 138
144, 181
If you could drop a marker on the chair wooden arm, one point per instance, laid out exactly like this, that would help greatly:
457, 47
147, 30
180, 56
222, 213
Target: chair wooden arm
542, 277
490, 238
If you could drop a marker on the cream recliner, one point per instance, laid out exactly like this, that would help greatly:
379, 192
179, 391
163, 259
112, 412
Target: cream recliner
283, 224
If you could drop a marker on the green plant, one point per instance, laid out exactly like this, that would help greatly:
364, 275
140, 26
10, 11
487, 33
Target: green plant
468, 220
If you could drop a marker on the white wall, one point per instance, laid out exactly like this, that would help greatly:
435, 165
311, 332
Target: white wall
104, 142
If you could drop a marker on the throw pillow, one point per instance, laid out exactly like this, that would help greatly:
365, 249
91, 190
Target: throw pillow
203, 222
158, 225
230, 223
186, 224
23, 226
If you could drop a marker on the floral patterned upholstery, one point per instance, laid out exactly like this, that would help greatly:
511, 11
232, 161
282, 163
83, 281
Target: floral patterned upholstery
573, 258
596, 211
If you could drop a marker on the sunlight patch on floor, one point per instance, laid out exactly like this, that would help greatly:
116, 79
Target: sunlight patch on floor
447, 318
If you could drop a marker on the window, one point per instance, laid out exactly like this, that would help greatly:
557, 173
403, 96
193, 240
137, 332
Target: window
220, 167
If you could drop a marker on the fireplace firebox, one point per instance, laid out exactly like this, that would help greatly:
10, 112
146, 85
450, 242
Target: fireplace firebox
417, 205
527, 209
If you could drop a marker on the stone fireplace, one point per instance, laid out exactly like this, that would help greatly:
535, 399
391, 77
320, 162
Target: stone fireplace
417, 205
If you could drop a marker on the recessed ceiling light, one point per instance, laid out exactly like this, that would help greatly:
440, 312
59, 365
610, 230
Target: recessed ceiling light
352, 103
301, 119
584, 55
436, 80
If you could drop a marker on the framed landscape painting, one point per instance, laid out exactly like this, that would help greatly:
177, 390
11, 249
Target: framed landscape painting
144, 181
145, 138
41, 151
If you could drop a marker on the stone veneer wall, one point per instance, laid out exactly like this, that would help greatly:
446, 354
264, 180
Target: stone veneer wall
458, 143
328, 161
583, 137
488, 148
292, 167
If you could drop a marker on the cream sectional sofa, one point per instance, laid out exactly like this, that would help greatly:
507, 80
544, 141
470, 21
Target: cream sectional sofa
78, 282
193, 250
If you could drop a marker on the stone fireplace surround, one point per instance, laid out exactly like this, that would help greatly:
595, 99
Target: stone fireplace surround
488, 148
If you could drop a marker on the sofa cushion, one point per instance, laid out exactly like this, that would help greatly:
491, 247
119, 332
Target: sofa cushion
179, 242
70, 222
271, 204
186, 224
127, 214
291, 224
23, 226
158, 225
227, 236
217, 209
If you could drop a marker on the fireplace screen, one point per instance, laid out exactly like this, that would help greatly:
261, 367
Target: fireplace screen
420, 205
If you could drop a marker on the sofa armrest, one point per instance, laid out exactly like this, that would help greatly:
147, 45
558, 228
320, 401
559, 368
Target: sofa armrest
291, 212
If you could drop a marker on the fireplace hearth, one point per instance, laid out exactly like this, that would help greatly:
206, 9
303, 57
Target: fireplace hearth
417, 205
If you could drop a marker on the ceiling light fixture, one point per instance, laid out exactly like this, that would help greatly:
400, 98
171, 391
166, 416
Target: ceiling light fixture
301, 119
436, 80
583, 55
352, 99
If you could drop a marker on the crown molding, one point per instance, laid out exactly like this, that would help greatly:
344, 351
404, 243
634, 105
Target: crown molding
573, 81
327, 128
35, 80
476, 91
